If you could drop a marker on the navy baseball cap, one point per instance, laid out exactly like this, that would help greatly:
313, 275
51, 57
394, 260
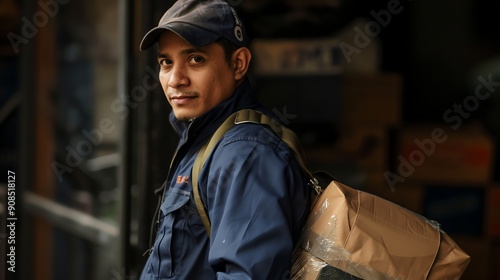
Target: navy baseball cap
199, 22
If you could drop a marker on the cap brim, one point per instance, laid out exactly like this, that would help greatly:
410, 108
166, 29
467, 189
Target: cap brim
193, 34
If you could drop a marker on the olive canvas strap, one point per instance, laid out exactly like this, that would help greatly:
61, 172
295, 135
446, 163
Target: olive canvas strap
245, 116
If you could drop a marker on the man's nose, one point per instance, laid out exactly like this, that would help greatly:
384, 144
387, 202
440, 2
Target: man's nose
178, 77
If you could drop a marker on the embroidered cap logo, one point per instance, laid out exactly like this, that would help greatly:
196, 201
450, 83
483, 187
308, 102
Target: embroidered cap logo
238, 33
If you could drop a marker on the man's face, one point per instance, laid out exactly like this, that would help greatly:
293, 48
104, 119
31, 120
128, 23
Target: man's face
194, 79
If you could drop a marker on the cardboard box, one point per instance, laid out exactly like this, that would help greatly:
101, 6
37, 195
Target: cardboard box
372, 99
372, 238
408, 196
367, 145
309, 104
469, 210
308, 267
459, 210
436, 154
319, 56
358, 158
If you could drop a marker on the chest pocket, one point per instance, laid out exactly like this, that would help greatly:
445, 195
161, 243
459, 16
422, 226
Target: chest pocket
169, 242
174, 199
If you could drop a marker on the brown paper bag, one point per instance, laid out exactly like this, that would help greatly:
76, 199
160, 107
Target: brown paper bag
372, 238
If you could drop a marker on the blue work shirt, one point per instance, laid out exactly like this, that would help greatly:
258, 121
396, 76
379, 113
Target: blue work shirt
255, 194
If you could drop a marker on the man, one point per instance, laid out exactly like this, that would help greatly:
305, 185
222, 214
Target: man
251, 185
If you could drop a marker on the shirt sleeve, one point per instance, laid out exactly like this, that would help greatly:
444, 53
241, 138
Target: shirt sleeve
256, 198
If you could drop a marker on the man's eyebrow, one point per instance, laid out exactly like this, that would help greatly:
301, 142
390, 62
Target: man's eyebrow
185, 51
162, 55
194, 50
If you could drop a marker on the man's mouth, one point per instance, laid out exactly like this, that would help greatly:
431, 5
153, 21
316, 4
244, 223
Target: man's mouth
181, 99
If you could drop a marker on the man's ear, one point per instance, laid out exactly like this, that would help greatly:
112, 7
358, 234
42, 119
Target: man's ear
241, 61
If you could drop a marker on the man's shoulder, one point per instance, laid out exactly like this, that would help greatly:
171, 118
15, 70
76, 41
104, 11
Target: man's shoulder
260, 138
251, 132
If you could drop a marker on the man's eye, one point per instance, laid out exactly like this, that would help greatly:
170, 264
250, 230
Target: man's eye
197, 59
165, 62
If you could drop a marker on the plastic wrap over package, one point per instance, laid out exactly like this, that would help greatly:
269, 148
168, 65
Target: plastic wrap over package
372, 238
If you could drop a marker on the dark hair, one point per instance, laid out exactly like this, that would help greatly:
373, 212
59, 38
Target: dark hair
228, 47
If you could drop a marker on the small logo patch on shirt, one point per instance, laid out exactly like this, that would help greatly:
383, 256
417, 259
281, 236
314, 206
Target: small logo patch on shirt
182, 179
